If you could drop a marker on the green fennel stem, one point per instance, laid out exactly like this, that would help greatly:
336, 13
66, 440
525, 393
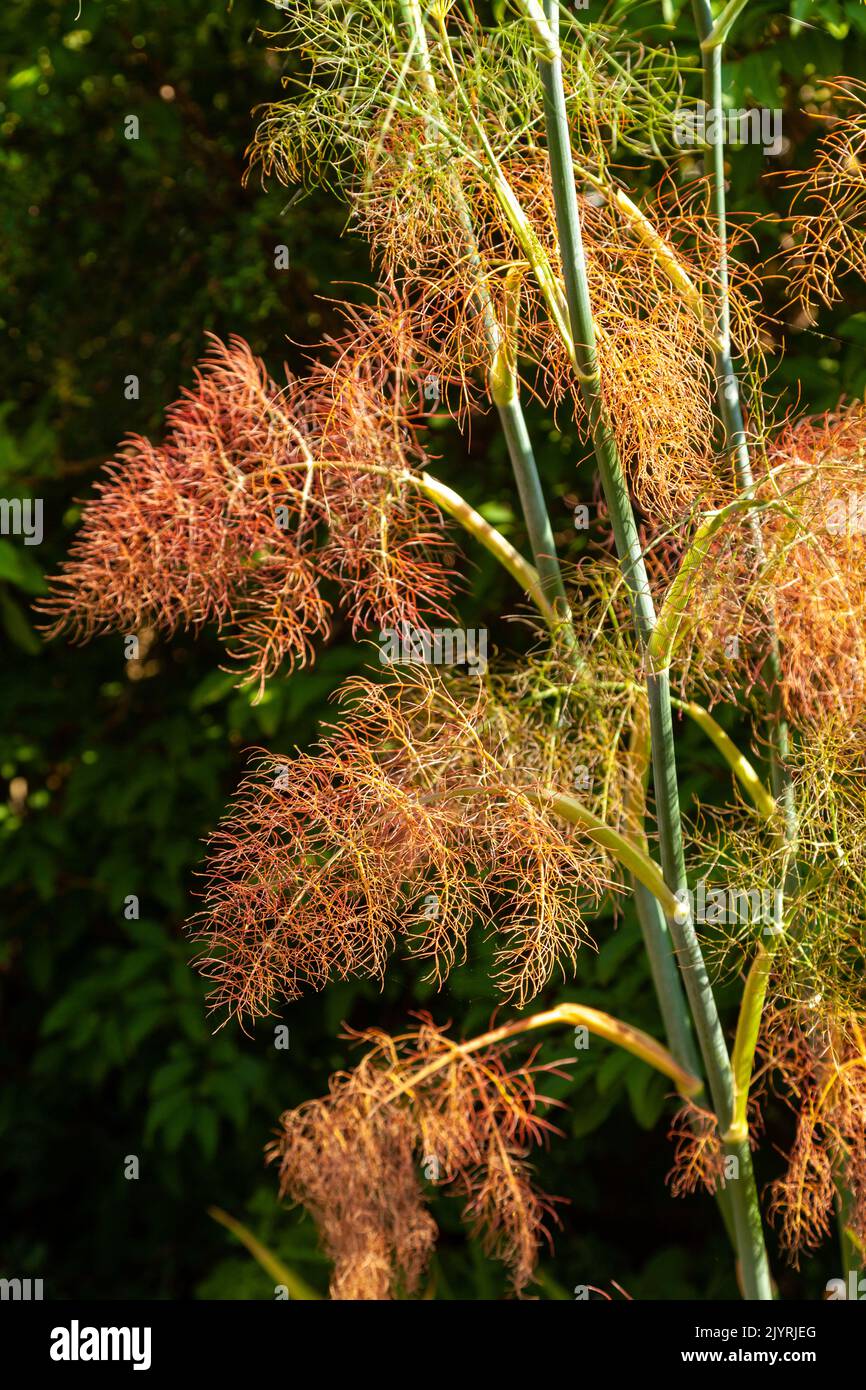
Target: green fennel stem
727, 381
712, 36
492, 540
653, 923
666, 976
297, 1287
622, 517
751, 1251
582, 337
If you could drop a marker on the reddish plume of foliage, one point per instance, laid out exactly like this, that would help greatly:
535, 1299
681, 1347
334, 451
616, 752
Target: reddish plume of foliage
258, 494
819, 563
439, 229
414, 817
385, 539
820, 1067
655, 353
656, 359
699, 1155
828, 211
806, 582
419, 1106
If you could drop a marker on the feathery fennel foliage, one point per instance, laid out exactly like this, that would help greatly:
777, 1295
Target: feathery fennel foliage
500, 175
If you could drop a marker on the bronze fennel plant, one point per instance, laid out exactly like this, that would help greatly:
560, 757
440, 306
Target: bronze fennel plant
514, 263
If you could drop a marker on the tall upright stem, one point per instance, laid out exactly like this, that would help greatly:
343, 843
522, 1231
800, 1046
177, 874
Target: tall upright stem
753, 1261
666, 977
737, 446
653, 924
728, 387
532, 502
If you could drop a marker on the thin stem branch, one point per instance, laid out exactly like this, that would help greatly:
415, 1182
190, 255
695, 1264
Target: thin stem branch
663, 253
534, 509
628, 852
667, 983
624, 850
626, 1036
742, 768
492, 540
722, 27
653, 924
298, 1288
746, 1041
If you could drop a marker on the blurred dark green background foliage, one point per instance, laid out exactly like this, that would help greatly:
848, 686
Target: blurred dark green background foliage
117, 256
